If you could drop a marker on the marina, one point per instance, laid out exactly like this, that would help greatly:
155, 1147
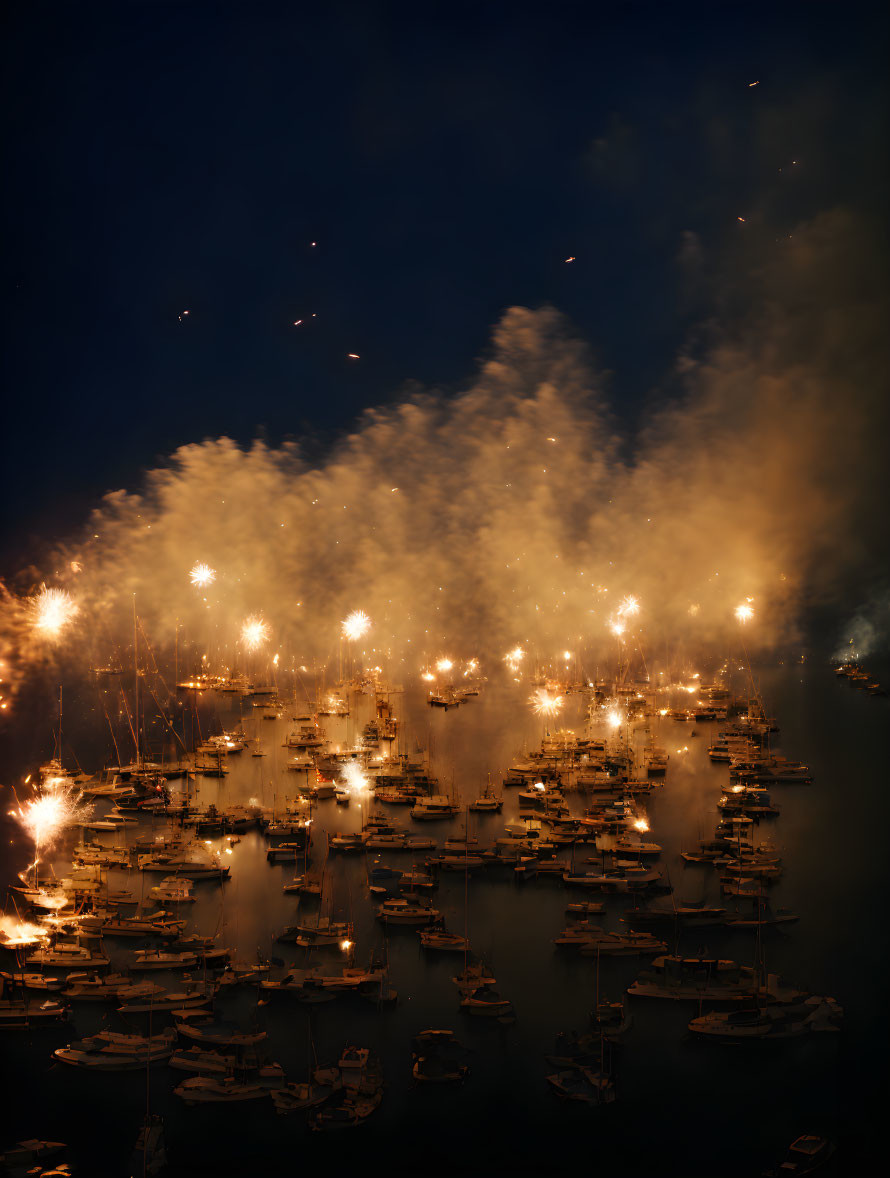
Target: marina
243, 964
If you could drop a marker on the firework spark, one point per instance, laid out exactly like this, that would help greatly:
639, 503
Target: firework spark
202, 575
55, 805
354, 776
744, 613
613, 718
19, 932
52, 610
629, 607
444, 665
254, 632
356, 625
546, 703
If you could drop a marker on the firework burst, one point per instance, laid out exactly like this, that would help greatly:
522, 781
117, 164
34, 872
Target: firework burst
55, 805
202, 575
356, 625
546, 703
744, 612
52, 611
254, 632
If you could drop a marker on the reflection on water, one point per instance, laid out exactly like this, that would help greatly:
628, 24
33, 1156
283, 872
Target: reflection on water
683, 1107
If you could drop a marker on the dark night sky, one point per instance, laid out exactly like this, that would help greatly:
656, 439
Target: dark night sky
446, 159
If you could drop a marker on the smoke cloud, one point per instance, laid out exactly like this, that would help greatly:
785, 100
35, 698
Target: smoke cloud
514, 511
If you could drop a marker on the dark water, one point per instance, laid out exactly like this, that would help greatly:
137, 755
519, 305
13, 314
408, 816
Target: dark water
683, 1107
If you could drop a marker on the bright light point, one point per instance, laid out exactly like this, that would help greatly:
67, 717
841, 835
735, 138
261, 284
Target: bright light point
613, 718
51, 611
346, 946
617, 628
641, 824
444, 665
428, 676
254, 632
744, 613
356, 625
202, 574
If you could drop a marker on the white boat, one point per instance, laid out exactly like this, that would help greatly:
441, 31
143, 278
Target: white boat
113, 1061
433, 807
401, 911
64, 956
155, 959
770, 1022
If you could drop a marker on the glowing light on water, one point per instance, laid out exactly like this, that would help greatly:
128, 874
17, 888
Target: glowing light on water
254, 632
52, 610
546, 703
613, 718
202, 575
356, 625
744, 612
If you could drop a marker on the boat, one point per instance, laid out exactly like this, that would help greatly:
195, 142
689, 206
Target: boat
804, 1155
786, 1021
223, 1034
583, 1084
433, 1069
486, 803
292, 1098
485, 1002
401, 911
149, 1152
348, 1114
474, 977
112, 1061
155, 959
26, 1153
214, 1090
438, 938
86, 987
593, 941
436, 806
322, 931
20, 1014
64, 956
195, 997
202, 1062
33, 981
695, 979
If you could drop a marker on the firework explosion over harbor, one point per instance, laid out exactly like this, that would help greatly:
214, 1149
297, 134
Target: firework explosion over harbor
445, 600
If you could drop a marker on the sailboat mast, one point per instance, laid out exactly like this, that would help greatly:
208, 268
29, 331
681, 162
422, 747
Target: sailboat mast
136, 676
